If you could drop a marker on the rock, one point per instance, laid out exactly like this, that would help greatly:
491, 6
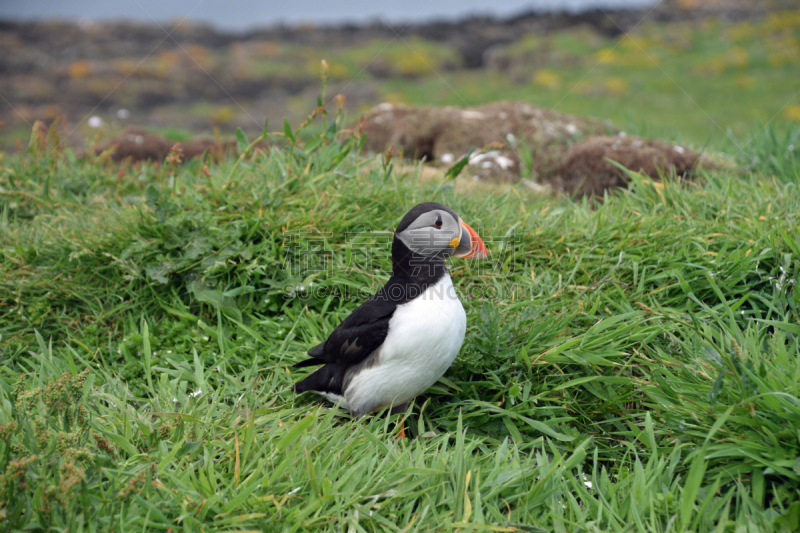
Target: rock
585, 169
442, 134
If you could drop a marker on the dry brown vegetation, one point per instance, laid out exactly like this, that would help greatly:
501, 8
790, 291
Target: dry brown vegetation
138, 144
570, 153
587, 168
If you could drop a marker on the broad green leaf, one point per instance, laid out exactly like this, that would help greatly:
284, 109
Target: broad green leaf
453, 172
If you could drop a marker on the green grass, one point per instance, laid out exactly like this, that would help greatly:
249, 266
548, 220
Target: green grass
630, 365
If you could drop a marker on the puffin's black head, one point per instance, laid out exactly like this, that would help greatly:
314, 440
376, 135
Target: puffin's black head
434, 230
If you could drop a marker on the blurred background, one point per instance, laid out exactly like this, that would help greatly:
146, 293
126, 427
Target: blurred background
243, 15
695, 70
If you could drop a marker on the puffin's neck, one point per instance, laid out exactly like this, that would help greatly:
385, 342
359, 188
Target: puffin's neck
414, 268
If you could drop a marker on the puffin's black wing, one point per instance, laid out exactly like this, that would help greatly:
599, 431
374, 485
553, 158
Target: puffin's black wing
350, 343
361, 333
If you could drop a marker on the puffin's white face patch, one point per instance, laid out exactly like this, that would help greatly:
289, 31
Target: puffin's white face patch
431, 233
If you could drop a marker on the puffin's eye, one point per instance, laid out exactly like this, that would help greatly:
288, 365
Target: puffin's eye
438, 224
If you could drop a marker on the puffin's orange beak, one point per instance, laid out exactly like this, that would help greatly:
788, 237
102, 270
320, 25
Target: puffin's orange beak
470, 244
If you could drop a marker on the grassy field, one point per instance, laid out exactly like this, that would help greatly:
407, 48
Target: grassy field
630, 365
691, 81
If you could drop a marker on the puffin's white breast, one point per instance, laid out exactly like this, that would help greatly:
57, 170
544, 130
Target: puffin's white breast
424, 338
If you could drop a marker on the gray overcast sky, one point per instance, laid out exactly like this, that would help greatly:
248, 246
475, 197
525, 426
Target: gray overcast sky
244, 14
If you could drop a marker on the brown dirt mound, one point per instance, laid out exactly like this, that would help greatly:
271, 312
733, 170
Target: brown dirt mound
445, 134
585, 170
137, 144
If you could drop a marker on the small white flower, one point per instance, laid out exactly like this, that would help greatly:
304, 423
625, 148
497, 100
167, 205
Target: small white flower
123, 114
512, 139
169, 351
205, 337
678, 149
447, 158
572, 129
196, 393
95, 121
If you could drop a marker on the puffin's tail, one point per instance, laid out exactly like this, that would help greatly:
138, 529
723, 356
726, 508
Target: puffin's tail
327, 378
308, 362
315, 354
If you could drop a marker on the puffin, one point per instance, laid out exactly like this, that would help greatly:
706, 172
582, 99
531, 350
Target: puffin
401, 340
